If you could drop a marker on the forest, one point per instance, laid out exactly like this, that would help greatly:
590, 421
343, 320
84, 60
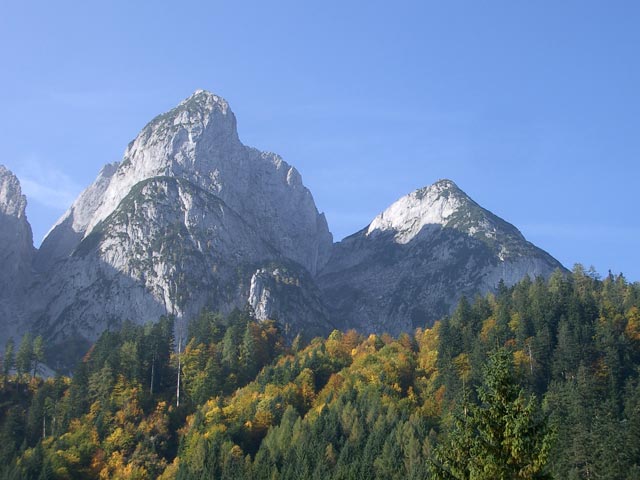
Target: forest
539, 380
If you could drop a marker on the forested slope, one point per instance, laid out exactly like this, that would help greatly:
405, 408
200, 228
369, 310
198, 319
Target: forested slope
537, 381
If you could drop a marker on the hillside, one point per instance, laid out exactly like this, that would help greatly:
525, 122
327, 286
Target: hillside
563, 355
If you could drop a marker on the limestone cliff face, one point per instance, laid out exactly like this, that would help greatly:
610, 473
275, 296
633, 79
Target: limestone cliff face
182, 222
415, 260
198, 141
287, 293
16, 254
169, 248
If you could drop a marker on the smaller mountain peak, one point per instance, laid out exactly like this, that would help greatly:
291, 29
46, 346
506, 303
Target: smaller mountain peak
431, 205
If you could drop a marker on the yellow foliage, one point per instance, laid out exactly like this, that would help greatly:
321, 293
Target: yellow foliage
432, 405
463, 366
263, 419
118, 469
236, 452
514, 323
487, 326
119, 439
632, 330
171, 472
521, 359
428, 349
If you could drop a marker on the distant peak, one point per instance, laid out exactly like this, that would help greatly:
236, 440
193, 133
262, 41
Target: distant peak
431, 205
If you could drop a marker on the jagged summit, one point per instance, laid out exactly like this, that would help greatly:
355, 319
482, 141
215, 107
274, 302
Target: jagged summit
12, 201
444, 205
443, 183
205, 99
436, 204
196, 113
198, 141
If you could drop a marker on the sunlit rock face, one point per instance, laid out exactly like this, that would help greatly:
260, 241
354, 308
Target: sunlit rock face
182, 222
416, 259
198, 141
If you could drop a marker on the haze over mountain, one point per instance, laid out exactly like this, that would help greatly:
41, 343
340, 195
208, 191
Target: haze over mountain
192, 218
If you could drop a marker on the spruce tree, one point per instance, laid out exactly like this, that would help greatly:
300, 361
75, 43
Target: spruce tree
502, 438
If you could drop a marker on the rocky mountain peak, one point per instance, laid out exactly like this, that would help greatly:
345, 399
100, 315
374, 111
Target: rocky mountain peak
431, 205
197, 141
196, 113
12, 201
415, 260
172, 138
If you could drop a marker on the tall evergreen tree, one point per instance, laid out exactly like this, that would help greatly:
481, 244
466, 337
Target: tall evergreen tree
24, 357
504, 437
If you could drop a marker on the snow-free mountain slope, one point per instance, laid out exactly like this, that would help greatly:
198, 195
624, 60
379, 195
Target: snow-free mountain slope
418, 257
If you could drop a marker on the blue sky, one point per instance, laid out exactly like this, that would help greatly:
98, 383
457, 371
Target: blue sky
532, 108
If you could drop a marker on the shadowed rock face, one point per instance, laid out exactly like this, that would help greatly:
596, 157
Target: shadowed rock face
16, 253
415, 260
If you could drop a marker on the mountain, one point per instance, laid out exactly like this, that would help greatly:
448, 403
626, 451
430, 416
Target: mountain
16, 253
190, 218
198, 141
415, 260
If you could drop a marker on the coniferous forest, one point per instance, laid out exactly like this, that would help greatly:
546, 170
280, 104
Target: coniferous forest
539, 380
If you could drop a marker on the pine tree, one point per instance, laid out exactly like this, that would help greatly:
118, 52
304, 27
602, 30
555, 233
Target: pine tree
24, 357
248, 351
38, 353
502, 438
